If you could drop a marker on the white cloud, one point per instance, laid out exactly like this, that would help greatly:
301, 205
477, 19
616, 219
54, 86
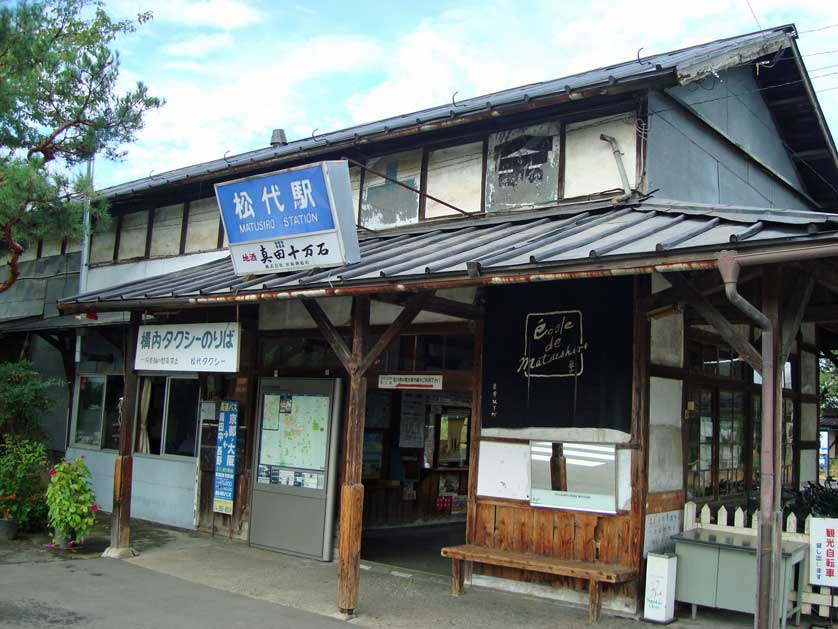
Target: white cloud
477, 49
223, 14
235, 109
198, 46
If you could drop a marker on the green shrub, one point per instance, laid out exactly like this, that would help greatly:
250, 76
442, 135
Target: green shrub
24, 398
23, 464
821, 501
72, 506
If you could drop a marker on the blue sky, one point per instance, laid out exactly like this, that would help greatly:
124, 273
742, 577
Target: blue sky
233, 70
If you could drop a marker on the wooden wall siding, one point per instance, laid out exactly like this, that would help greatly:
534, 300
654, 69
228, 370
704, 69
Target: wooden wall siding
510, 525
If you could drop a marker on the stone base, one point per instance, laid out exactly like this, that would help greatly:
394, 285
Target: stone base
119, 553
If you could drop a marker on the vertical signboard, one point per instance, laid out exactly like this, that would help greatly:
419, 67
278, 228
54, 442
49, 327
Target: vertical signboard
296, 219
225, 457
822, 549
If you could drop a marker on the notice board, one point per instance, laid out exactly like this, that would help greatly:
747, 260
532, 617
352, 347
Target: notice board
559, 355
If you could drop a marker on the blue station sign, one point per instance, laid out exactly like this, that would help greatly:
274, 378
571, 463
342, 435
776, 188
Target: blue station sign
290, 220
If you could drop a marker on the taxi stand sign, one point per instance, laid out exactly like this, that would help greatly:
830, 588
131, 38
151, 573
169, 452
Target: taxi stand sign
296, 219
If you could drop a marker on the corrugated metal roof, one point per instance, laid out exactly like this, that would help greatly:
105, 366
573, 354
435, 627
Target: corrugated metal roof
543, 239
688, 64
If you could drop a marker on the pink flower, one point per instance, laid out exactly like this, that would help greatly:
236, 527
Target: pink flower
82, 456
94, 507
70, 543
50, 545
52, 472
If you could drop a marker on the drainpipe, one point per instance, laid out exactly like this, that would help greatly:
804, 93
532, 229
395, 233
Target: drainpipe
620, 167
729, 267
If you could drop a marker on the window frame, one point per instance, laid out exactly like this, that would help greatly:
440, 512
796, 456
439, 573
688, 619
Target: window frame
169, 376
694, 378
75, 414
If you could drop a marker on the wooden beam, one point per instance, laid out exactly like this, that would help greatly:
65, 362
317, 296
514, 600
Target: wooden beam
825, 274
814, 313
412, 308
331, 334
439, 305
690, 294
793, 313
707, 284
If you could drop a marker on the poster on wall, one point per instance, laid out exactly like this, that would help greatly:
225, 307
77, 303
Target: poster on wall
294, 433
560, 355
822, 550
412, 422
225, 457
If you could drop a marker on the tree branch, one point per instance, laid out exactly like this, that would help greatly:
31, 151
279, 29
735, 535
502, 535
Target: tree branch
15, 250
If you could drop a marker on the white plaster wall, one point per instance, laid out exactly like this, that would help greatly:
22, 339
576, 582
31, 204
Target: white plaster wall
503, 470
665, 449
51, 248
808, 467
667, 341
455, 175
168, 222
808, 422
292, 315
808, 373
202, 225
355, 184
132, 236
589, 162
624, 479
102, 277
102, 243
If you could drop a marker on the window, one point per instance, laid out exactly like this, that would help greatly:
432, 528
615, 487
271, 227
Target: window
731, 443
386, 204
523, 168
98, 411
452, 447
699, 443
167, 415
433, 352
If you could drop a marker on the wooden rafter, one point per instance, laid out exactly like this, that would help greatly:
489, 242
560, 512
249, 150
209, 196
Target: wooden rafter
438, 305
706, 284
793, 312
693, 297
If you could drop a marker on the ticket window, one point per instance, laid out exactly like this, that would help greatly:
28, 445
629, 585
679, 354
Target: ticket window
452, 437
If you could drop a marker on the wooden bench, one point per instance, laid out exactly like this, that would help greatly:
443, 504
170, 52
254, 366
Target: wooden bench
595, 573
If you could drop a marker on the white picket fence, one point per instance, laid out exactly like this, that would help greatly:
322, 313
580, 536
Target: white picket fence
703, 518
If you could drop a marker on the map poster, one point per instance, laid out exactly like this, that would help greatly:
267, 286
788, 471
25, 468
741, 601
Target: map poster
295, 431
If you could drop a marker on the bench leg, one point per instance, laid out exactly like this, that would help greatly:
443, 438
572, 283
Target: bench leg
594, 603
457, 577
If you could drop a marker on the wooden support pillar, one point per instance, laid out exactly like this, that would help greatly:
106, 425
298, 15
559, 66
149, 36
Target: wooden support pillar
356, 362
352, 492
123, 465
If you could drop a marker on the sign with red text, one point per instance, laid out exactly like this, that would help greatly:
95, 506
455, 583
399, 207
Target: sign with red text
290, 220
409, 381
822, 551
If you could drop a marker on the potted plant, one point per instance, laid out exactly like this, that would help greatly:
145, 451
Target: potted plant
72, 506
22, 504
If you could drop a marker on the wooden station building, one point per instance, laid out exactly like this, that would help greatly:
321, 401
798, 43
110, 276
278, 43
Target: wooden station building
578, 304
